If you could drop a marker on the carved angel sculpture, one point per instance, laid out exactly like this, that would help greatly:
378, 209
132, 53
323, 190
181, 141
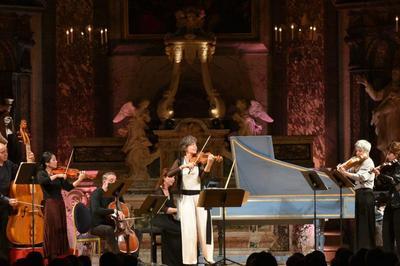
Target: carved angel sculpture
136, 147
246, 116
386, 116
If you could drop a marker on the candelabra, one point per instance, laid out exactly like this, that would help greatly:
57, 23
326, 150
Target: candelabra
293, 32
95, 36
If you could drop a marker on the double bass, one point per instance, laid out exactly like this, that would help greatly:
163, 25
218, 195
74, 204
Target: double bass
26, 224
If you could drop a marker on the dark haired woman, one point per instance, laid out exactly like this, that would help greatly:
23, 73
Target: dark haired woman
55, 223
390, 175
195, 221
171, 228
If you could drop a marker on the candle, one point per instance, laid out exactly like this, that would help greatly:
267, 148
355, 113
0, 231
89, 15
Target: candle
102, 36
67, 33
276, 33
90, 33
314, 33
292, 29
310, 33
280, 34
71, 30
299, 33
397, 24
106, 35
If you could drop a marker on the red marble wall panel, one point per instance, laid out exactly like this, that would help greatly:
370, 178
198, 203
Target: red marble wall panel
75, 85
305, 72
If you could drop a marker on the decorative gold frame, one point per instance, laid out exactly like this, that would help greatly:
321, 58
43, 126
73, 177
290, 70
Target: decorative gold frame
253, 35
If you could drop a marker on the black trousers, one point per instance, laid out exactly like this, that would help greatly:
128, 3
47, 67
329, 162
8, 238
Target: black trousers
365, 219
171, 244
391, 229
4, 243
107, 232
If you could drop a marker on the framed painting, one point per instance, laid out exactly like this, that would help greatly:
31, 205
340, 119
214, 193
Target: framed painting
227, 19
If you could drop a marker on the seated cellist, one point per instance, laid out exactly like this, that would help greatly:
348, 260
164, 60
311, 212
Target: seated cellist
102, 225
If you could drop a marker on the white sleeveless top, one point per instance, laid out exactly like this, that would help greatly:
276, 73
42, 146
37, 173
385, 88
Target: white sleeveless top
190, 178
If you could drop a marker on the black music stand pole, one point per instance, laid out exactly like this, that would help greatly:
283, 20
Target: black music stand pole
151, 206
316, 184
341, 181
217, 197
26, 175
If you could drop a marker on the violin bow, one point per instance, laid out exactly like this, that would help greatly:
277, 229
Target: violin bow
69, 161
205, 143
230, 174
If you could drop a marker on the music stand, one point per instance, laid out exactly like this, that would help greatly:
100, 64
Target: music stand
118, 188
26, 175
315, 182
341, 181
219, 197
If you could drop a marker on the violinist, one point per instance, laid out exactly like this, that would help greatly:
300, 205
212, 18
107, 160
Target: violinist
55, 223
194, 226
365, 203
171, 228
102, 225
8, 170
390, 174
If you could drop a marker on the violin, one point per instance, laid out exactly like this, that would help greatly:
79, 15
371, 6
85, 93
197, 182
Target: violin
74, 173
70, 172
379, 167
353, 162
202, 157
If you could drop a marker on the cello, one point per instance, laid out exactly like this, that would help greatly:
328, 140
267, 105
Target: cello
26, 225
126, 236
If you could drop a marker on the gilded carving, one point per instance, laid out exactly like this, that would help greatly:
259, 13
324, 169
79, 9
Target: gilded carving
190, 42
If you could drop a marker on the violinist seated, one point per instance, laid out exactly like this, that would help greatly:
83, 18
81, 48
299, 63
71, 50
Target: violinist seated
166, 220
102, 223
8, 170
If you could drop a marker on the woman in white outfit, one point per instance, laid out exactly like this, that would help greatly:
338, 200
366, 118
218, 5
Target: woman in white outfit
196, 224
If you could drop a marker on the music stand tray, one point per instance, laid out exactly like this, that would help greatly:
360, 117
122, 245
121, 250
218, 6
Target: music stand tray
316, 184
339, 179
222, 198
26, 175
151, 205
219, 197
118, 188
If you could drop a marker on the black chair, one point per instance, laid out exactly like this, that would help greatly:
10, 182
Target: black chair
82, 222
153, 232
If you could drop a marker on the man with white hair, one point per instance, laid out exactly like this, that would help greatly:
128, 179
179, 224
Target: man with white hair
361, 173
